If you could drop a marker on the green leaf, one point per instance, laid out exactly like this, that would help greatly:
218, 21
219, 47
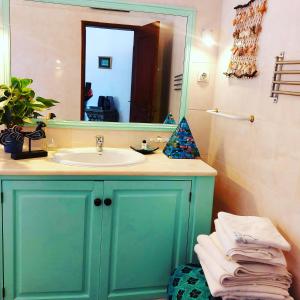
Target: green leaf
37, 106
26, 91
25, 82
36, 115
18, 102
15, 82
4, 87
36, 102
3, 104
28, 120
32, 94
47, 102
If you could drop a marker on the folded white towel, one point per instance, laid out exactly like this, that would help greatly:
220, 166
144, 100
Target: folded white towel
230, 273
248, 252
242, 291
255, 296
253, 230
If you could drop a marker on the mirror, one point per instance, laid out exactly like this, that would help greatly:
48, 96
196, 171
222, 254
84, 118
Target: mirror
103, 65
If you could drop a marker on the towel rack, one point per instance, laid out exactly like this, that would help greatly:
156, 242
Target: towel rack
277, 77
216, 112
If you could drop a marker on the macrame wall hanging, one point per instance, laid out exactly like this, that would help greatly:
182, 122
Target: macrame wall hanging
247, 27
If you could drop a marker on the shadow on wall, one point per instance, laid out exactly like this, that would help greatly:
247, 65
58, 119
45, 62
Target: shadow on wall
229, 195
293, 259
238, 196
117, 106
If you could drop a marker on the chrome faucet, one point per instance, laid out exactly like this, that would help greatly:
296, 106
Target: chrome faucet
99, 143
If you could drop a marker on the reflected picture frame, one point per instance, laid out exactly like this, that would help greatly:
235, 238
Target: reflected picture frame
104, 62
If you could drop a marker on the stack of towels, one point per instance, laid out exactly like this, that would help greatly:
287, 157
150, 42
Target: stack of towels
244, 260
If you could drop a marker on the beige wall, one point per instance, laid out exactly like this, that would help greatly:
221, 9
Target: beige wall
258, 165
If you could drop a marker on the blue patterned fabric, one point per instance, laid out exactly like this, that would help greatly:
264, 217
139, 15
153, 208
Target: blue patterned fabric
182, 144
188, 282
170, 119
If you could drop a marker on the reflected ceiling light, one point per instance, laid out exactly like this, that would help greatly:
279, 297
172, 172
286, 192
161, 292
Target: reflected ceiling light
208, 38
58, 64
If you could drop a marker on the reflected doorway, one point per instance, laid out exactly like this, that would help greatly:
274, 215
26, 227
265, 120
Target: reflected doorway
120, 73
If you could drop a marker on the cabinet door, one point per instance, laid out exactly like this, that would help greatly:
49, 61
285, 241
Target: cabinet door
144, 237
52, 234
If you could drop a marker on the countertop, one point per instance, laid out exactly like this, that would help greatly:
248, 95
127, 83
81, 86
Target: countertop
154, 165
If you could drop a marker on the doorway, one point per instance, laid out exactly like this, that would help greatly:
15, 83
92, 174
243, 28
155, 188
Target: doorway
124, 88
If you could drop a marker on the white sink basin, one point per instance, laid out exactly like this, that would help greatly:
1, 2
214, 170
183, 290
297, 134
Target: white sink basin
88, 157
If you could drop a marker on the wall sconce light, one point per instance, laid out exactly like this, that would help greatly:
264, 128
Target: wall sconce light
58, 64
208, 38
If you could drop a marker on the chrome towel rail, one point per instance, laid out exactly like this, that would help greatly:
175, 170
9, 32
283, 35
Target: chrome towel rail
286, 93
291, 72
287, 82
277, 77
289, 62
216, 112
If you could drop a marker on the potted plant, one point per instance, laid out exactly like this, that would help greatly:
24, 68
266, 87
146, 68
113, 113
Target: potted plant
18, 105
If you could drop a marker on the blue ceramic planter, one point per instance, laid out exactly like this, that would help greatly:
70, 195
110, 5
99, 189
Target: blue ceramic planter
13, 146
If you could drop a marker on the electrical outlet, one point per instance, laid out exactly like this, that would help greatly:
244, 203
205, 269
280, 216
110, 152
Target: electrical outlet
203, 77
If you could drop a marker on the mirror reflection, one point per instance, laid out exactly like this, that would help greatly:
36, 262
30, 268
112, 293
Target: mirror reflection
102, 65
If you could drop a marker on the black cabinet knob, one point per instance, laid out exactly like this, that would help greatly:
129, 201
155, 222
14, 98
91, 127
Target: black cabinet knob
108, 202
97, 202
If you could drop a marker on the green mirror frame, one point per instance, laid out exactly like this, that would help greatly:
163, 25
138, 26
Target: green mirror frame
106, 4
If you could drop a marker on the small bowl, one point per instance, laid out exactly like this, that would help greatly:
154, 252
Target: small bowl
149, 150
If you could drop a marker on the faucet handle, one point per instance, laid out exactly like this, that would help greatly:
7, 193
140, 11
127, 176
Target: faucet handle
99, 139
99, 143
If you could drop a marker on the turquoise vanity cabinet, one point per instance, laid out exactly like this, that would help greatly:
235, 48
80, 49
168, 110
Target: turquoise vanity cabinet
98, 238
52, 238
144, 236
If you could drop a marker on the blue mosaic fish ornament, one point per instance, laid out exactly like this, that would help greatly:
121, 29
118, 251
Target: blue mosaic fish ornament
170, 119
182, 144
